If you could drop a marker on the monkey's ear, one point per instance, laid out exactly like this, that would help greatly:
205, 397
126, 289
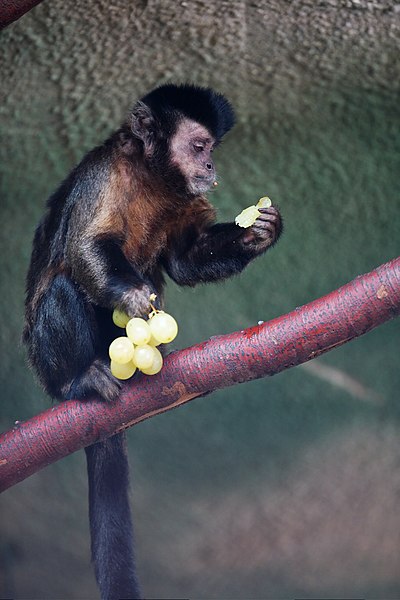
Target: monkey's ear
143, 125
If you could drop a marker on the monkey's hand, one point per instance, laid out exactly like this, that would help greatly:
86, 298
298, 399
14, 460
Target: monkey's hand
136, 301
264, 232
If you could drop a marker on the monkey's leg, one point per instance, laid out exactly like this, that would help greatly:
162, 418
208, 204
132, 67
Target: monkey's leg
63, 345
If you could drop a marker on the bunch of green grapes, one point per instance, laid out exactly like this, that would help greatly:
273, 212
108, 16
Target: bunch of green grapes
138, 349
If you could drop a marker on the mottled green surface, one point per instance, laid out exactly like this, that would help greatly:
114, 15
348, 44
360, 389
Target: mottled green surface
279, 488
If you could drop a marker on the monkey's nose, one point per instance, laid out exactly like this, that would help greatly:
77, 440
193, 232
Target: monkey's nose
209, 166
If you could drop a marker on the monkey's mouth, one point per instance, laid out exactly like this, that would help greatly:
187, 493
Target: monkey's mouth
201, 183
204, 181
207, 179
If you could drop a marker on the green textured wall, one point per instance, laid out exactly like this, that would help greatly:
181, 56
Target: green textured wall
279, 488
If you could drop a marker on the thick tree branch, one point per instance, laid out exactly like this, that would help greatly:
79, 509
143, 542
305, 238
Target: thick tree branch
222, 361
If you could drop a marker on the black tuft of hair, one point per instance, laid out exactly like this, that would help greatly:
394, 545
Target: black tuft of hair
204, 105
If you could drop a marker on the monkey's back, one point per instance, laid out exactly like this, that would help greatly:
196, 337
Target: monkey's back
49, 256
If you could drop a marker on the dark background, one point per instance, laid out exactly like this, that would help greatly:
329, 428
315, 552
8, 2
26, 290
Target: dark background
284, 487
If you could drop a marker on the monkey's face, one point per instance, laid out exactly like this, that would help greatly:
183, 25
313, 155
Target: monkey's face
190, 152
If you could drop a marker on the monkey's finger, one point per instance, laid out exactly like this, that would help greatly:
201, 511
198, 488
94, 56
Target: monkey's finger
269, 211
267, 218
266, 226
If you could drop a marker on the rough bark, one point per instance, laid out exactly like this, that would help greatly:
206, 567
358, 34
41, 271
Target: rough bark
221, 361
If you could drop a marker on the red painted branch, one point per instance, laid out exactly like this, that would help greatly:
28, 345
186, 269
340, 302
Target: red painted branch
222, 361
11, 10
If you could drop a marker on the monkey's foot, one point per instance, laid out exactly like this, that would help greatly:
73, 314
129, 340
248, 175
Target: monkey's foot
97, 380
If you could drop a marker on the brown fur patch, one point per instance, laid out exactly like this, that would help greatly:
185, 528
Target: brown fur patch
199, 213
141, 214
108, 215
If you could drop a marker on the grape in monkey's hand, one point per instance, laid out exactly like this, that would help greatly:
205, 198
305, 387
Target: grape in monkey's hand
138, 350
138, 331
249, 215
163, 327
121, 350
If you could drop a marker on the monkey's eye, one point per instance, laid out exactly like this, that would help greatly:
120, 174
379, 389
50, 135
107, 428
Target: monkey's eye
198, 147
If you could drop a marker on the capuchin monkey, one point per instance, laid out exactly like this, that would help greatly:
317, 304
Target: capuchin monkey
132, 211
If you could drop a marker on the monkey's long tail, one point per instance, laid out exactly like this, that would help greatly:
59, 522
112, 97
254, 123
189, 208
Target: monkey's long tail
110, 519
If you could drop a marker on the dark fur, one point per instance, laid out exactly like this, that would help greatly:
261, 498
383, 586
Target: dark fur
121, 219
199, 104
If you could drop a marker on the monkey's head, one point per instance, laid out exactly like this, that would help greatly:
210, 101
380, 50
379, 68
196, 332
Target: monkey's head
179, 127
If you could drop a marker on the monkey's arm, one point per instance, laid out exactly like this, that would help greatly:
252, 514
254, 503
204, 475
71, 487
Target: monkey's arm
221, 250
100, 267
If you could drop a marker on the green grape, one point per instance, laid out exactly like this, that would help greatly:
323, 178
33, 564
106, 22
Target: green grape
264, 202
157, 364
124, 371
120, 318
121, 350
163, 327
153, 342
143, 356
138, 331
